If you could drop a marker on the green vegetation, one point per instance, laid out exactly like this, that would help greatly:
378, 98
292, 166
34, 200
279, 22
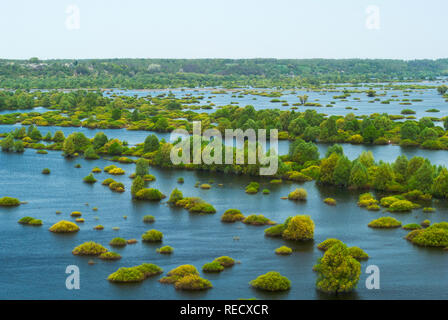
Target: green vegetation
257, 220
330, 201
89, 249
30, 221
337, 270
151, 194
165, 250
110, 256
412, 226
385, 222
177, 273
225, 261
283, 250
271, 281
46, 171
89, 179
9, 202
299, 228
358, 253
328, 243
298, 194
118, 242
196, 205
252, 188
435, 235
175, 196
192, 282
64, 227
232, 215
212, 267
148, 219
135, 274
152, 236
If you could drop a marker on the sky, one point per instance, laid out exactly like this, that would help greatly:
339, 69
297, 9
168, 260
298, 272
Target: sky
53, 29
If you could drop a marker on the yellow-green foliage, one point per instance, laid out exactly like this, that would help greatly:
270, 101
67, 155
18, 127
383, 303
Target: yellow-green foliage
179, 272
96, 170
196, 205
64, 227
412, 226
402, 206
116, 171
9, 202
152, 236
116, 186
232, 215
212, 267
330, 201
89, 249
298, 194
366, 200
107, 181
337, 270
110, 256
205, 186
135, 274
30, 221
298, 177
328, 243
98, 227
257, 220
299, 228
149, 194
175, 196
283, 250
385, 222
358, 253
76, 214
271, 281
192, 282
118, 242
225, 261
387, 201
435, 235
165, 250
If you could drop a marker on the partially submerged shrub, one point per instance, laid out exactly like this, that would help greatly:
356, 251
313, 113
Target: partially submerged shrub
165, 250
76, 214
337, 270
175, 196
116, 186
192, 282
152, 236
412, 226
271, 281
212, 267
107, 181
299, 228
118, 242
385, 222
402, 206
98, 227
148, 219
232, 215
257, 220
64, 227
116, 171
298, 195
428, 209
9, 202
328, 243
425, 223
89, 179
149, 194
366, 200
30, 221
225, 261
135, 274
358, 253
196, 205
283, 250
388, 201
435, 235
252, 188
205, 186
96, 170
110, 256
46, 171
89, 249
179, 272
330, 201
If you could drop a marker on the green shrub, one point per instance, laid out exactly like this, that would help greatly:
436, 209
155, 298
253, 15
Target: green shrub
175, 196
64, 227
148, 219
46, 171
9, 202
299, 228
89, 249
165, 250
179, 272
30, 221
337, 270
212, 267
412, 226
298, 194
225, 261
385, 222
276, 181
205, 186
135, 274
118, 242
257, 220
192, 282
76, 214
107, 181
110, 256
98, 227
149, 194
152, 236
328, 243
232, 215
366, 200
298, 177
402, 206
373, 207
428, 209
180, 180
330, 201
266, 191
425, 223
358, 253
388, 201
252, 188
271, 281
89, 179
116, 186
283, 250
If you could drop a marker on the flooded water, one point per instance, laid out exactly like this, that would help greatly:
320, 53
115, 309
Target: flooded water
33, 260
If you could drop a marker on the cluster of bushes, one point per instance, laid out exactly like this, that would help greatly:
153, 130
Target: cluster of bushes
186, 277
435, 235
385, 222
165, 250
232, 215
30, 221
298, 195
9, 202
271, 281
89, 249
152, 236
252, 188
298, 228
257, 220
196, 205
150, 194
64, 227
135, 274
219, 264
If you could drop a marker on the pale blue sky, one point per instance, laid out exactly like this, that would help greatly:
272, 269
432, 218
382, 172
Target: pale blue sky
409, 29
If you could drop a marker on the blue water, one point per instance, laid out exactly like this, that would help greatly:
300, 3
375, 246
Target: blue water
33, 260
